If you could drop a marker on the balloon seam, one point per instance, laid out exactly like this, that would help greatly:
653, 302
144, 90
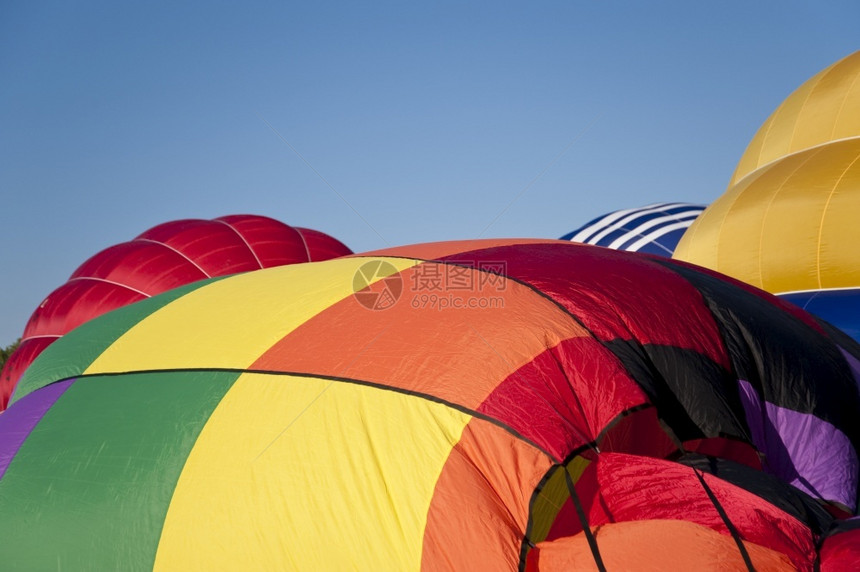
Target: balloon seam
354, 381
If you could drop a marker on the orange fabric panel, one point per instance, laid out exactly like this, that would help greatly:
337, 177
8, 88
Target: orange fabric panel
480, 507
654, 545
426, 350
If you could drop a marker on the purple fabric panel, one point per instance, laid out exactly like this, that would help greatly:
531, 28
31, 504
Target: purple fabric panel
18, 421
854, 364
802, 449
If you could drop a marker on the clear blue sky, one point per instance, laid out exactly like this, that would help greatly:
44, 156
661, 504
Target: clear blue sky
428, 119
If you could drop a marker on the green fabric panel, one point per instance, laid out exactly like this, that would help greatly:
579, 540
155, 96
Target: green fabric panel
90, 488
73, 353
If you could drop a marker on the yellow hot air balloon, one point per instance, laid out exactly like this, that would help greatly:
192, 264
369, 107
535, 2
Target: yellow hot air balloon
788, 221
790, 225
824, 109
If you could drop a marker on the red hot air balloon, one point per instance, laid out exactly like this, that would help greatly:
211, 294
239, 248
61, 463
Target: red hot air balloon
164, 257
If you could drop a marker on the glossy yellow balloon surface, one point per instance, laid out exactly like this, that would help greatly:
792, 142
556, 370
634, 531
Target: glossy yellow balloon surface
788, 220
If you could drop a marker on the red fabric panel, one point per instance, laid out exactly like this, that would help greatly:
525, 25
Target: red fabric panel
19, 361
619, 488
63, 310
151, 268
616, 295
74, 303
215, 247
730, 449
654, 545
638, 433
565, 396
841, 552
322, 246
273, 242
567, 522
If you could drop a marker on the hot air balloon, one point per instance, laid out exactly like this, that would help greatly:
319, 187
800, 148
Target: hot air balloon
164, 257
654, 229
787, 222
485, 405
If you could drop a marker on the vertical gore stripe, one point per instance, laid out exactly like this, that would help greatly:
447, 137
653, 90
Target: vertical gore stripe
480, 507
107, 454
296, 473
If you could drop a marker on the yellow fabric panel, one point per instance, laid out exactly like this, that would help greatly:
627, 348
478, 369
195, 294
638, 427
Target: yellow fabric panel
296, 473
547, 504
788, 236
727, 236
551, 498
847, 123
231, 322
778, 139
790, 226
839, 255
832, 109
823, 109
739, 235
750, 160
700, 242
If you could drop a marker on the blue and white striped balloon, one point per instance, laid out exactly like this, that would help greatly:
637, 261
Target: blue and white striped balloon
655, 229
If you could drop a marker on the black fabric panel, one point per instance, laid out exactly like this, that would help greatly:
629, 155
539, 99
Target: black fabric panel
694, 396
783, 496
788, 362
844, 341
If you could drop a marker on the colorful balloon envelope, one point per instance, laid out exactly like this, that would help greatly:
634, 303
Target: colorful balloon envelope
487, 405
164, 257
652, 229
